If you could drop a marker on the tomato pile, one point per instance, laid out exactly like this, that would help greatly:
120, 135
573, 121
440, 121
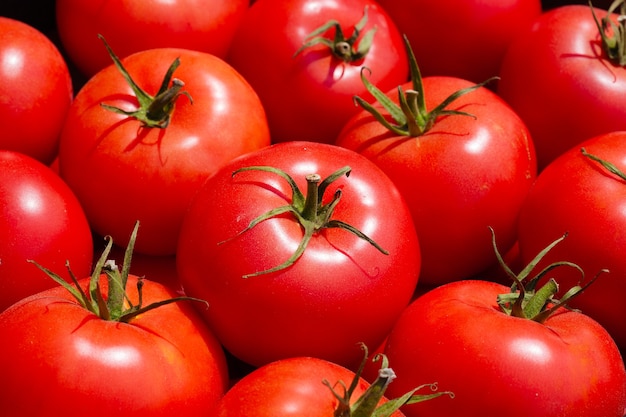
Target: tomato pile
313, 208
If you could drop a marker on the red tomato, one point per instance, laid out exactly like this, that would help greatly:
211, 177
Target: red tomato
295, 387
461, 38
557, 77
308, 96
575, 194
341, 291
40, 219
461, 176
150, 173
58, 357
457, 335
35, 93
132, 26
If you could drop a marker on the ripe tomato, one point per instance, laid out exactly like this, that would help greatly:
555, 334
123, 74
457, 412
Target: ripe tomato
305, 387
341, 290
308, 95
459, 177
35, 93
58, 357
461, 38
560, 81
457, 335
40, 219
576, 195
150, 173
132, 26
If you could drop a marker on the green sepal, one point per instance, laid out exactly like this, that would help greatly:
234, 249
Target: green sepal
524, 299
341, 47
154, 111
113, 308
367, 404
308, 211
411, 116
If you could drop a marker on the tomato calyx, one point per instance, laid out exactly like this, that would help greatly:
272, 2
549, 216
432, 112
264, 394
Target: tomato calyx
411, 117
367, 404
308, 210
153, 111
340, 46
116, 306
613, 36
527, 301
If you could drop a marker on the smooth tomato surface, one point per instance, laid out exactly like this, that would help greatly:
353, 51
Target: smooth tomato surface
577, 196
457, 335
557, 77
309, 96
36, 91
42, 220
460, 177
461, 38
132, 26
150, 174
290, 387
340, 292
58, 356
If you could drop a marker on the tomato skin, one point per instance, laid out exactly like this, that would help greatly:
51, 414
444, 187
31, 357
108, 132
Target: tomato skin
461, 38
151, 174
459, 178
40, 219
576, 195
303, 310
289, 387
60, 357
561, 83
457, 335
36, 91
131, 26
309, 97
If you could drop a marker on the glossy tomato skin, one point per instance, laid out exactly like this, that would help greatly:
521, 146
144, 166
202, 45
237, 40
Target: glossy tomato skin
131, 26
559, 80
457, 335
577, 196
58, 356
341, 292
460, 177
461, 38
290, 387
150, 174
42, 220
309, 96
36, 91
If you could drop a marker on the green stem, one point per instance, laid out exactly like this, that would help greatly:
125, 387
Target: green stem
311, 204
